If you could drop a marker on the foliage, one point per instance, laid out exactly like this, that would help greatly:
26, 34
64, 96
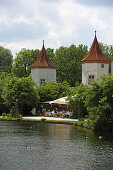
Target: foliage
77, 101
53, 90
67, 60
43, 120
106, 49
3, 107
14, 114
50, 53
6, 59
19, 91
3, 114
23, 60
99, 103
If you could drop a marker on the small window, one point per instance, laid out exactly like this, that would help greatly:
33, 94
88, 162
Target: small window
102, 65
42, 81
91, 78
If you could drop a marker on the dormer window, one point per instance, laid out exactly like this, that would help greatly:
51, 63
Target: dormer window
102, 65
90, 78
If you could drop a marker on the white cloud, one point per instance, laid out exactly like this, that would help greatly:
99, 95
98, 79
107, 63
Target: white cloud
24, 24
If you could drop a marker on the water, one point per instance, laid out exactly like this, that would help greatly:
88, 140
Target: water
41, 146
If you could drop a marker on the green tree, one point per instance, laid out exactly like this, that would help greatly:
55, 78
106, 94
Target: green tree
106, 49
23, 60
99, 103
53, 90
50, 53
3, 107
67, 60
20, 91
77, 100
6, 59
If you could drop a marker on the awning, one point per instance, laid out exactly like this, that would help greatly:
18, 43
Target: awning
62, 100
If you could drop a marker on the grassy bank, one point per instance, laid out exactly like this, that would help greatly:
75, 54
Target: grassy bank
43, 120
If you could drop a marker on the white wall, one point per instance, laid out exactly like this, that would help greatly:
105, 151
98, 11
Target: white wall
111, 67
43, 73
93, 69
102, 71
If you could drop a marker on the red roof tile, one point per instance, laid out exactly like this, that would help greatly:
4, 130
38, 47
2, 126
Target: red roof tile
43, 60
95, 54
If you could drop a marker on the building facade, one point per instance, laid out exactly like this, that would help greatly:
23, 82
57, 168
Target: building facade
43, 70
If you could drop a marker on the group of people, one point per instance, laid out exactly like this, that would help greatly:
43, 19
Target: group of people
66, 113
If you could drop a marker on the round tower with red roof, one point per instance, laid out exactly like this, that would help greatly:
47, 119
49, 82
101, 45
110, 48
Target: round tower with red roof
43, 70
95, 64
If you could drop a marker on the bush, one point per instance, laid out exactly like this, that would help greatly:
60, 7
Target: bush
43, 120
14, 114
8, 115
3, 114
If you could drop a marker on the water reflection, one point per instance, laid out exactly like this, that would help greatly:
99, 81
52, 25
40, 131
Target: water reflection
32, 146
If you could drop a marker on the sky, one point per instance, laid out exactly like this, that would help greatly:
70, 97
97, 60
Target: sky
26, 23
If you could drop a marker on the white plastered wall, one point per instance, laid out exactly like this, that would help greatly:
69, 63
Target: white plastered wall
43, 73
93, 69
111, 67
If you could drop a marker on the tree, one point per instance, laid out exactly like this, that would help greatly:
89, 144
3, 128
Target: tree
67, 60
23, 61
3, 107
53, 90
106, 49
77, 100
20, 91
6, 59
99, 104
50, 53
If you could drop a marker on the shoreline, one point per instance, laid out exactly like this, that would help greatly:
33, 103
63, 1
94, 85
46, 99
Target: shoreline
43, 119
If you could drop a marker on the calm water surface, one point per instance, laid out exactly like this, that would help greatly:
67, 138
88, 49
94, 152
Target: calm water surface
41, 146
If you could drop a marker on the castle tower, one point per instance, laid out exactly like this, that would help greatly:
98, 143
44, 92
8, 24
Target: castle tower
43, 70
95, 64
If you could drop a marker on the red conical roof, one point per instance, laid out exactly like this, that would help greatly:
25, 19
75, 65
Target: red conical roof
95, 54
43, 60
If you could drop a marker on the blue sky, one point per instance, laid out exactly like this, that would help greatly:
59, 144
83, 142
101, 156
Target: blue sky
26, 23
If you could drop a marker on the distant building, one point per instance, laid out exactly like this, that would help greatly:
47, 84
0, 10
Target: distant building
43, 70
95, 64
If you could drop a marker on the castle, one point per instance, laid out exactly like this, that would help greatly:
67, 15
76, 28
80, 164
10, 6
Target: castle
94, 65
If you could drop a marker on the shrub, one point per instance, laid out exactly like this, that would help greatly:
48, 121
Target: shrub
43, 120
8, 115
3, 114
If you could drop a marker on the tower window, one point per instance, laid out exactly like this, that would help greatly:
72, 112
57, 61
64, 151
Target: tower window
102, 65
91, 78
42, 81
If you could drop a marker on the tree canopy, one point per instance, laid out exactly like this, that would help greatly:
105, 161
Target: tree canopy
67, 60
6, 59
23, 60
53, 90
20, 91
106, 49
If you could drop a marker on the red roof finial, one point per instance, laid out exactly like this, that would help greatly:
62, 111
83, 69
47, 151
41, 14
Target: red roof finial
43, 43
95, 33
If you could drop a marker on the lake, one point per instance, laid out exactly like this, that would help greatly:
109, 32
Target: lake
46, 146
